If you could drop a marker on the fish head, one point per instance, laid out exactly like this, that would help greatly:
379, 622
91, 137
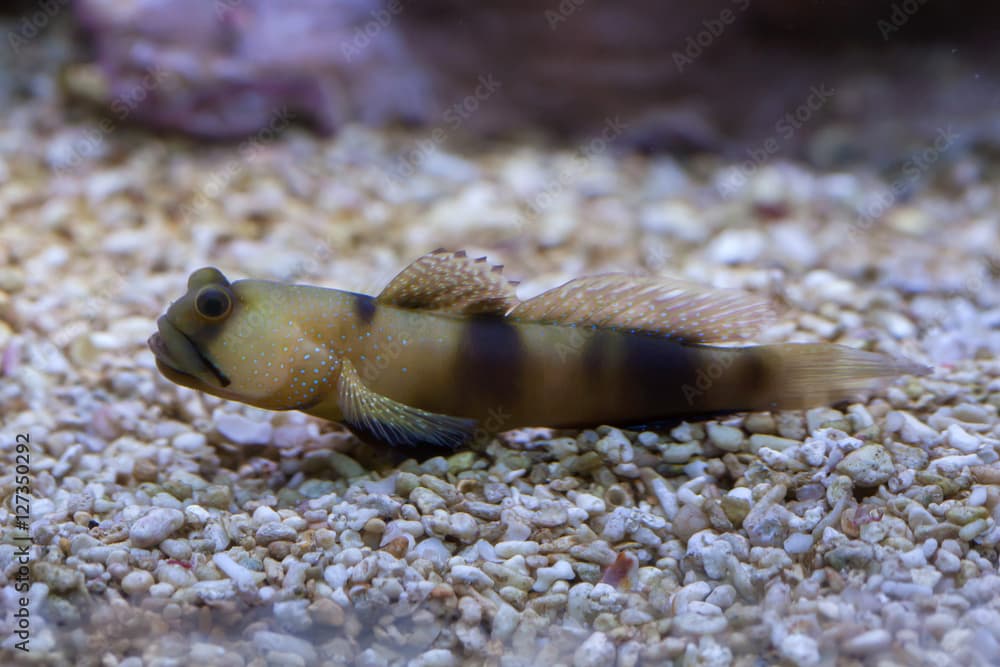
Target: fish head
210, 338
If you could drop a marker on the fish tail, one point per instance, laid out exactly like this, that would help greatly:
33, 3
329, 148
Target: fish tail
805, 375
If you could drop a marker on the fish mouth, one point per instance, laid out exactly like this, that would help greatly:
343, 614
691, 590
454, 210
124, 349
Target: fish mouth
176, 354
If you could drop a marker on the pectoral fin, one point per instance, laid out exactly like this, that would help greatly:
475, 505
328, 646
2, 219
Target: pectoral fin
378, 418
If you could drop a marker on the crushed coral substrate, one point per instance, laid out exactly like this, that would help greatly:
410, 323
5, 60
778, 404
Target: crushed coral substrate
172, 528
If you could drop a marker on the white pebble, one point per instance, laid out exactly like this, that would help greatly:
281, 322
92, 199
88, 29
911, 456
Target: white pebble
692, 623
951, 466
929, 546
274, 641
243, 431
463, 527
136, 582
913, 558
243, 577
958, 438
695, 591
798, 543
482, 551
426, 500
336, 576
870, 465
632, 616
175, 575
189, 441
401, 527
516, 548
161, 590
350, 556
176, 549
674, 219
615, 447
196, 515
202, 653
596, 651
760, 440
517, 531
897, 325
860, 417
433, 550
726, 438
977, 497
867, 643
741, 493
947, 562
911, 429
546, 576
589, 503
264, 514
274, 531
723, 596
801, 650
681, 452
735, 246
157, 525
926, 577
958, 640
505, 621
436, 657
971, 530
466, 574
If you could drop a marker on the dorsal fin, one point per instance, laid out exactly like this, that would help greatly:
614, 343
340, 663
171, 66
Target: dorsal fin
451, 282
659, 306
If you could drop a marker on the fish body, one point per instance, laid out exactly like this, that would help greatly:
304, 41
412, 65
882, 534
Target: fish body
447, 350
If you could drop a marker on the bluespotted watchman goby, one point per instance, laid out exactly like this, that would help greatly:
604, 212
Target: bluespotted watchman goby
447, 344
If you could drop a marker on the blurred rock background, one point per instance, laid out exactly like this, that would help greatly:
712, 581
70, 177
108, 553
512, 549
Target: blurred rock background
719, 76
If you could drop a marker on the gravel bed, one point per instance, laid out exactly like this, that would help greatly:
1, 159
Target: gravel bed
173, 528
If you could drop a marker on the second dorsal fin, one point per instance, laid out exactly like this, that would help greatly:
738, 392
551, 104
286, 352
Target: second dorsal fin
659, 306
451, 282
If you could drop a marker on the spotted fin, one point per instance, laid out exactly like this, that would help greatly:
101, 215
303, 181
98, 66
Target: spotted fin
451, 282
660, 306
375, 417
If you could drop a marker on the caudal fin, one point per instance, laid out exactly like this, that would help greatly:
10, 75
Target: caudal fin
806, 375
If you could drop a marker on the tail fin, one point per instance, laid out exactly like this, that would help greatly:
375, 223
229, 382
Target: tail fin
807, 375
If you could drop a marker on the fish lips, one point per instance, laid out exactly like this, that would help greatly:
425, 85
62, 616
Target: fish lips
178, 357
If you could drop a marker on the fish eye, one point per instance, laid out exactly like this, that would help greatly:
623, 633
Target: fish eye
213, 303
